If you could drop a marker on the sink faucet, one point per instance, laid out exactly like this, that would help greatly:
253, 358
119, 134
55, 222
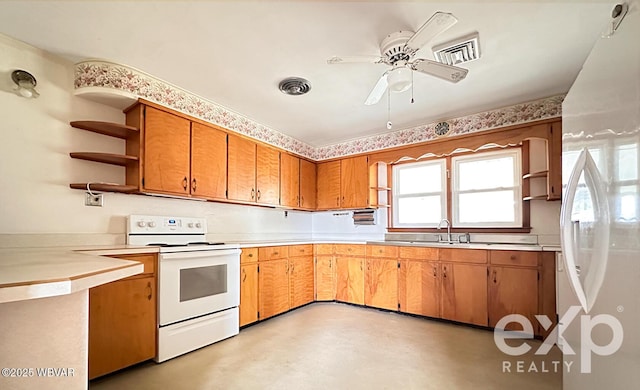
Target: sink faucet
448, 229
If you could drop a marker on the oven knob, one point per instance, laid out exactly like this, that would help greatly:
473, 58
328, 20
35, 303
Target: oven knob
152, 224
190, 224
141, 224
198, 225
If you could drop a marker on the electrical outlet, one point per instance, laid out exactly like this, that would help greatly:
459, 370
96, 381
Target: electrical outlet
93, 200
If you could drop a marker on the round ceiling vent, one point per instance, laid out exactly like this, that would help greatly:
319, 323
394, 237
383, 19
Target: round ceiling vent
294, 86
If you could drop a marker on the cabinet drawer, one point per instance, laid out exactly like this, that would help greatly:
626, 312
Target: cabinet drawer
478, 256
350, 250
324, 249
414, 253
386, 251
148, 260
272, 253
249, 255
521, 258
300, 250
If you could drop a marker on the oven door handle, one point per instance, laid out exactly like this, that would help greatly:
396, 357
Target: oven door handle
198, 254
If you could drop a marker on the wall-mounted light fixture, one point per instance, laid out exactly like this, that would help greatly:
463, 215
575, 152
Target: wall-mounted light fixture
25, 84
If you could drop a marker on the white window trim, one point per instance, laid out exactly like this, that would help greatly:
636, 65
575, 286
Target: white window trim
517, 172
443, 193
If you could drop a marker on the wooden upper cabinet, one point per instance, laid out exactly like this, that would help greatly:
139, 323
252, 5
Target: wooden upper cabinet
307, 184
289, 180
208, 162
354, 182
166, 152
268, 175
241, 173
328, 185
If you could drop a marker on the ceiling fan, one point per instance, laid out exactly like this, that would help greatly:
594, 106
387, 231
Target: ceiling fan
398, 50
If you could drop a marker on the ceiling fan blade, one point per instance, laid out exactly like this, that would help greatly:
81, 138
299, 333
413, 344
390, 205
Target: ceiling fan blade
438, 23
355, 59
440, 70
377, 91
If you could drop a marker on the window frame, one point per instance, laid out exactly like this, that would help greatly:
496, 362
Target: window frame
444, 197
517, 188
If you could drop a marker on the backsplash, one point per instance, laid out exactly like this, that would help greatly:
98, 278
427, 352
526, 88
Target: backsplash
95, 77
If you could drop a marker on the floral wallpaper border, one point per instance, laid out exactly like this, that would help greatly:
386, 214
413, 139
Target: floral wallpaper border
112, 76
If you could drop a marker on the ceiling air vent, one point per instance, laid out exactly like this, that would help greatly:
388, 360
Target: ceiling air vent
294, 86
458, 51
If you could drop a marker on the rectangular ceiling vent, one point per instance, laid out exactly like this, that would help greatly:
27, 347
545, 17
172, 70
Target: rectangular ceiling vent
458, 51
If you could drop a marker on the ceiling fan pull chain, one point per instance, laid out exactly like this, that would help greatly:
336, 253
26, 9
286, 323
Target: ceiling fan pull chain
412, 87
389, 124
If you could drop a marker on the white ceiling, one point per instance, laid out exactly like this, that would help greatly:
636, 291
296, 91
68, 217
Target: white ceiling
235, 53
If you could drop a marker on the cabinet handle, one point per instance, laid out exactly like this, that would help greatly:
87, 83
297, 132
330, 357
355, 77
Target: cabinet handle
287, 269
244, 277
150, 291
253, 194
293, 267
275, 253
435, 272
379, 250
330, 261
444, 272
250, 254
258, 194
513, 257
302, 201
193, 185
184, 183
361, 266
494, 276
337, 201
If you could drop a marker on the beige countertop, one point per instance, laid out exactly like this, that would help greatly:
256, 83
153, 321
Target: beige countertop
29, 273
505, 247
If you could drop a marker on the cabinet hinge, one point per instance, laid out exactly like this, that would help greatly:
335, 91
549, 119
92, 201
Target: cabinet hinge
143, 181
538, 275
226, 193
227, 138
487, 272
398, 305
398, 264
258, 315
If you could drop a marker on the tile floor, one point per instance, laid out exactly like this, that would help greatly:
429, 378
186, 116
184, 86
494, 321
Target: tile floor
337, 346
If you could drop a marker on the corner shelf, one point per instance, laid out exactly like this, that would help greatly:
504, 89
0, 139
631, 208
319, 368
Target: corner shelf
105, 187
107, 158
106, 128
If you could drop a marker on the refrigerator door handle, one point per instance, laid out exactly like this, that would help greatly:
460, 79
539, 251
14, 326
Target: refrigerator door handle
586, 291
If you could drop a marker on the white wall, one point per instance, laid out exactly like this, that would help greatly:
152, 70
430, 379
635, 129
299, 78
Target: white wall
36, 170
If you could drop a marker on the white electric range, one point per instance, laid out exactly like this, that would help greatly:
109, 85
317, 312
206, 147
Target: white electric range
198, 282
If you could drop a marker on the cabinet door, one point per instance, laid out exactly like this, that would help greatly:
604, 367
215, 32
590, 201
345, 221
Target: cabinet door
289, 180
122, 324
381, 284
325, 278
301, 280
354, 182
307, 184
328, 185
350, 280
419, 287
208, 162
166, 152
241, 176
464, 293
268, 175
513, 291
248, 294
273, 287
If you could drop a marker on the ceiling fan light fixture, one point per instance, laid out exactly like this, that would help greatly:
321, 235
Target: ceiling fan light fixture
399, 79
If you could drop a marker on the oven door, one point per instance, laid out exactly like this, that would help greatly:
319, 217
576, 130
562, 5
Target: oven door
196, 283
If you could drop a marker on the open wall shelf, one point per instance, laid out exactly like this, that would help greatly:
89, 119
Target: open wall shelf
106, 128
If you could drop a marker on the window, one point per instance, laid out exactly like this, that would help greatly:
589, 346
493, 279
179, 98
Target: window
420, 194
486, 189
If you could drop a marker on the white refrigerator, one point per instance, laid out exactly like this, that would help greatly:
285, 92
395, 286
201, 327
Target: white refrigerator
599, 275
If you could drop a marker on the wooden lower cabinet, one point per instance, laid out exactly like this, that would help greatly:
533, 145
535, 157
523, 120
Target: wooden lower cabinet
325, 278
381, 283
464, 293
248, 293
350, 279
273, 287
419, 285
513, 291
301, 280
122, 324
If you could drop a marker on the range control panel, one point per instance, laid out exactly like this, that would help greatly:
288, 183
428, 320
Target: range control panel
153, 224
